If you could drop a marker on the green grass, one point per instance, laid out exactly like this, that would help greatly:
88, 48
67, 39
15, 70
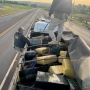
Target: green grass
79, 15
7, 7
80, 19
46, 9
13, 8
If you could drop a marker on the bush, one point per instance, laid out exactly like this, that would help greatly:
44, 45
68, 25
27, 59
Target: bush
81, 19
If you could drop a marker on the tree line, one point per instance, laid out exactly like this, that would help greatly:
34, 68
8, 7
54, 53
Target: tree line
83, 9
12, 2
81, 13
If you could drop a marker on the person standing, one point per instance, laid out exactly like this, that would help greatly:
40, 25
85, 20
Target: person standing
61, 9
20, 40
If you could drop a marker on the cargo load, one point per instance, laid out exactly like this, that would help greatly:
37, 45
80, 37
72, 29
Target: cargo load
60, 58
36, 41
47, 81
63, 53
46, 59
38, 37
42, 50
62, 44
54, 49
67, 68
78, 63
56, 69
29, 55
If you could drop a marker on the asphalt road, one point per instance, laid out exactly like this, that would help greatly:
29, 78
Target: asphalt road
7, 52
81, 31
7, 21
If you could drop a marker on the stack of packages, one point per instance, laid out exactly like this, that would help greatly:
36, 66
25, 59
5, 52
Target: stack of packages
66, 67
56, 73
44, 58
49, 72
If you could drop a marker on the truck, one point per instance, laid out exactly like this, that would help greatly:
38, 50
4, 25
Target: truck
33, 73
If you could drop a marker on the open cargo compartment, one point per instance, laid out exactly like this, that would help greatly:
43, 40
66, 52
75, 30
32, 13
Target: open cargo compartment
79, 54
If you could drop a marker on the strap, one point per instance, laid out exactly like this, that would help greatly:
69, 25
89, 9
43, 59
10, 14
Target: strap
46, 26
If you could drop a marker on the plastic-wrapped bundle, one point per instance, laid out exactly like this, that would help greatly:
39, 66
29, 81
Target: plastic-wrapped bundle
35, 34
56, 69
29, 55
46, 40
60, 58
62, 43
36, 41
67, 68
38, 37
43, 60
48, 81
54, 49
63, 53
42, 50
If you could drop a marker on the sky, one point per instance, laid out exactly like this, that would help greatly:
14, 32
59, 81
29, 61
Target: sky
87, 2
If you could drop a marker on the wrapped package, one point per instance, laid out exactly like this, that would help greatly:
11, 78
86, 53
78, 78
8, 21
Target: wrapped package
53, 43
43, 60
42, 50
38, 37
36, 41
29, 55
60, 58
62, 43
56, 69
48, 81
67, 68
63, 53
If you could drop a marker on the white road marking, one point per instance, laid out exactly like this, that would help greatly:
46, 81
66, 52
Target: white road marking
8, 72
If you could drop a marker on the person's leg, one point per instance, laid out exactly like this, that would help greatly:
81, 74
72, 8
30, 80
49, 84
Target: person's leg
54, 22
19, 51
60, 31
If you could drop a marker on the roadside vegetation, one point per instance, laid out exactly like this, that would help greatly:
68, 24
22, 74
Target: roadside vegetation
47, 9
81, 15
12, 7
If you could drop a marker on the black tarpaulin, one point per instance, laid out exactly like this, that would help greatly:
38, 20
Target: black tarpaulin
79, 53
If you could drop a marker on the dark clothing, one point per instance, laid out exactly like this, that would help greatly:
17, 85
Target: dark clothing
20, 40
58, 7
